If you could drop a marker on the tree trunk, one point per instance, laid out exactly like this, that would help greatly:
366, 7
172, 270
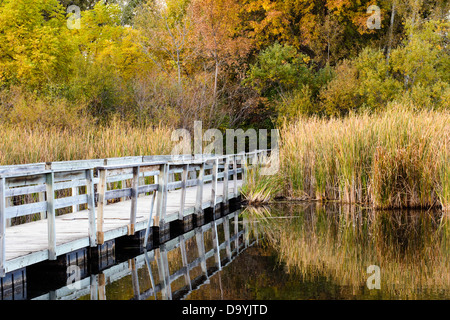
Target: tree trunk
216, 77
391, 32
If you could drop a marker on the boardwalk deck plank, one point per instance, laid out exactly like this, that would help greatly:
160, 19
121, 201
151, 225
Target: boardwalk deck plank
27, 243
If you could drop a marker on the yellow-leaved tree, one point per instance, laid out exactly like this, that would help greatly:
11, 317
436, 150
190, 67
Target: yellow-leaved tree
34, 46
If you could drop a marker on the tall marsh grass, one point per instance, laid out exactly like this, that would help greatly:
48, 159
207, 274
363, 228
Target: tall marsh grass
20, 145
259, 189
395, 159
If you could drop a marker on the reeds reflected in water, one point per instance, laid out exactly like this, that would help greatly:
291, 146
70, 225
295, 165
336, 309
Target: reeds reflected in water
340, 242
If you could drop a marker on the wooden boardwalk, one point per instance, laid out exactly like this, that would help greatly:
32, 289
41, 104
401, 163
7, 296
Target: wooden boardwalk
109, 199
28, 242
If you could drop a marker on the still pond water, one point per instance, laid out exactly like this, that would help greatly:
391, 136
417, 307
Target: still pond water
287, 251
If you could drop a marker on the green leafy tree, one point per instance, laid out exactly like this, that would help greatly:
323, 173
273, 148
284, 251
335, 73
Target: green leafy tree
422, 63
278, 69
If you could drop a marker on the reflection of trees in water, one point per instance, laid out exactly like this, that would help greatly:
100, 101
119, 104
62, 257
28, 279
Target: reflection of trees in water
340, 242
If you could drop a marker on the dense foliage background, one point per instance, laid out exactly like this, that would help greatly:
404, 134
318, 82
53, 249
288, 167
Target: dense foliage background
227, 62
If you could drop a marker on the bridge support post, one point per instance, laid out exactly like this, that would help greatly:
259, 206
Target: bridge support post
184, 178
215, 172
101, 205
161, 203
199, 198
235, 177
134, 200
91, 207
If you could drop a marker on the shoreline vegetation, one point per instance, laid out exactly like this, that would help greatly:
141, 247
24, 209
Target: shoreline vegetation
398, 158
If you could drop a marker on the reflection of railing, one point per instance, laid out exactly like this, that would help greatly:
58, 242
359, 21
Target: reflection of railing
46, 188
95, 285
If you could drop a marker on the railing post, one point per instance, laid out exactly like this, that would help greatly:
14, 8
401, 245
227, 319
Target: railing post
150, 274
135, 279
246, 232
123, 184
244, 167
75, 192
199, 199
134, 200
165, 261
2, 228
184, 177
91, 207
226, 231
201, 250
215, 172
41, 196
50, 192
9, 203
94, 287
235, 187
101, 205
163, 271
255, 231
216, 246
101, 286
162, 194
187, 278
236, 232
150, 220
225, 179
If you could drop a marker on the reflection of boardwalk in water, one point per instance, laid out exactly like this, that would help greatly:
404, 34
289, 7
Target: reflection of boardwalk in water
172, 270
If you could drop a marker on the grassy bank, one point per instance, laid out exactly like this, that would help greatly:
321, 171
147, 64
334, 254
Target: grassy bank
399, 158
395, 159
20, 145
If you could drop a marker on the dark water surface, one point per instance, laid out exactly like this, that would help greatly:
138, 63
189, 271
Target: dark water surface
288, 251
